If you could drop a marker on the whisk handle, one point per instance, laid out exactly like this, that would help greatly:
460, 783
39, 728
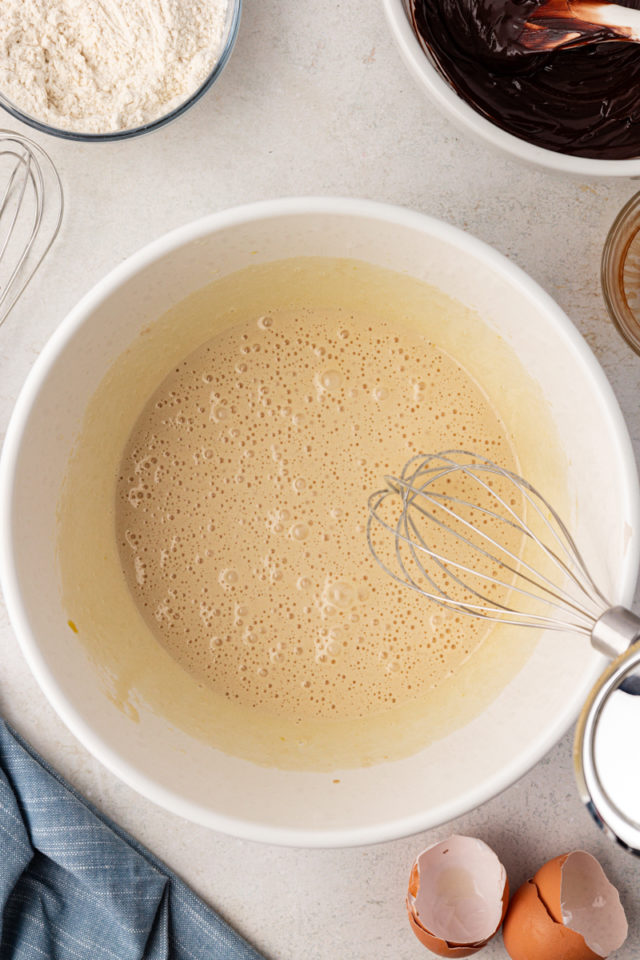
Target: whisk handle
615, 631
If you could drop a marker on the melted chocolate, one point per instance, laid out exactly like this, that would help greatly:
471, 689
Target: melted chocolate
582, 100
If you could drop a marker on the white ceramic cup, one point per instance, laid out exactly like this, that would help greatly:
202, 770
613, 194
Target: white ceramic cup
188, 777
467, 118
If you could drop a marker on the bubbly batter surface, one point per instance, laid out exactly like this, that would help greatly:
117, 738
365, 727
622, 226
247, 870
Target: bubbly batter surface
242, 503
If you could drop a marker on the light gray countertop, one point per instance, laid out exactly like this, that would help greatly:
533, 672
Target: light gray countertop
316, 100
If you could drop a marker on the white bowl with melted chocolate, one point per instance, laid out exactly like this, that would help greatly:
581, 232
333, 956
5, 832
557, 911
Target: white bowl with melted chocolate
189, 577
574, 110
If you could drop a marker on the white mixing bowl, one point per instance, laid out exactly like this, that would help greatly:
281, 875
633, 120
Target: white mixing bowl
467, 118
189, 777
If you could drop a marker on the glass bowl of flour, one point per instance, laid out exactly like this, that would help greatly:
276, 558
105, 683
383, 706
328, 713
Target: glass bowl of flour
112, 70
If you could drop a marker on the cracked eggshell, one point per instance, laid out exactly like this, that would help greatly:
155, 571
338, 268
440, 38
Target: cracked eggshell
568, 911
458, 895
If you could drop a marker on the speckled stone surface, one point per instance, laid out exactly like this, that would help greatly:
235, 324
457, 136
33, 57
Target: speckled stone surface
316, 100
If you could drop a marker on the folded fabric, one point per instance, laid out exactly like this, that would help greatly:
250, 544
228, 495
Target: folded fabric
74, 886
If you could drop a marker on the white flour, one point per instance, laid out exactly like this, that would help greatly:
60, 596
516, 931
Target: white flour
96, 66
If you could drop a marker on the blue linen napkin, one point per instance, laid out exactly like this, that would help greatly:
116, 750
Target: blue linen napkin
74, 886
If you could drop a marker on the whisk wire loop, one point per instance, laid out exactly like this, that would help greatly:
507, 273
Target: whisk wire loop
31, 211
536, 578
565, 543
482, 609
22, 165
447, 545
509, 568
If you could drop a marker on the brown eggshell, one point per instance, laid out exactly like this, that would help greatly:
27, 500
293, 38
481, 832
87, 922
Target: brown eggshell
441, 947
548, 880
437, 945
530, 932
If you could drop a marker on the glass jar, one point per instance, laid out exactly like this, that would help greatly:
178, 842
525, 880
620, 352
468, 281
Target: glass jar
620, 272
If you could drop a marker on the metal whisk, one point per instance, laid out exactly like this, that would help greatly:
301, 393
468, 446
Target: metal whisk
482, 541
31, 205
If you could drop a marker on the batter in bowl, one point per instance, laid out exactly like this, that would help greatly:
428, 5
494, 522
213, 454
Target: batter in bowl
242, 503
212, 545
